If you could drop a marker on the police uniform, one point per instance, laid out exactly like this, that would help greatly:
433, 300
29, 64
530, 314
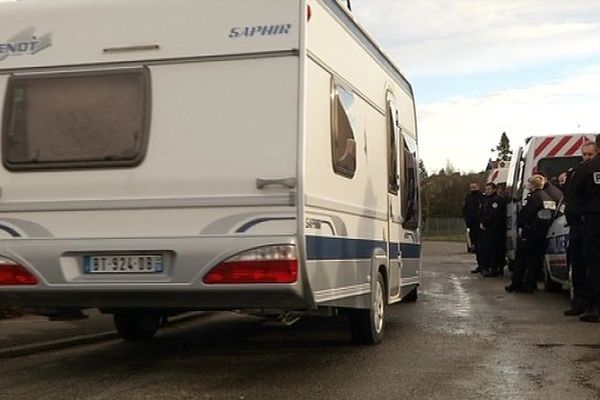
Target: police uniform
575, 259
587, 189
493, 220
530, 246
471, 210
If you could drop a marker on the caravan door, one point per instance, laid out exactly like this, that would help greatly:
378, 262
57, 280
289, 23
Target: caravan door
394, 211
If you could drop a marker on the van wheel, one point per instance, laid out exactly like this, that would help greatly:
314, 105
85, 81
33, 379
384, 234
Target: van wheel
411, 297
136, 326
366, 326
549, 285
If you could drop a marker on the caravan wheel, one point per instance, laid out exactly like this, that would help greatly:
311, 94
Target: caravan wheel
366, 326
136, 326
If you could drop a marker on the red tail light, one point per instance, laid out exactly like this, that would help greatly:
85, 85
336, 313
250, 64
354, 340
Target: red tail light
13, 274
271, 264
308, 13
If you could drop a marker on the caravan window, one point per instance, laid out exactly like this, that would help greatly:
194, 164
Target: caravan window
76, 120
410, 184
343, 143
392, 149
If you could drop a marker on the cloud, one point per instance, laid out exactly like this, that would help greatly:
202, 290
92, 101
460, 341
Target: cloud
464, 130
466, 45
448, 37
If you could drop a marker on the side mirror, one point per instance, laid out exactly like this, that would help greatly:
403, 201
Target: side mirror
545, 215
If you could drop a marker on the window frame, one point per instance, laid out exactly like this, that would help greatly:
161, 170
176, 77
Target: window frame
142, 73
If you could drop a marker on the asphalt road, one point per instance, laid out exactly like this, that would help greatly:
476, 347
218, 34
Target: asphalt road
464, 339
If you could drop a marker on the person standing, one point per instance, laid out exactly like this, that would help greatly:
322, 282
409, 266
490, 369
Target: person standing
574, 216
471, 210
554, 192
493, 226
530, 246
587, 189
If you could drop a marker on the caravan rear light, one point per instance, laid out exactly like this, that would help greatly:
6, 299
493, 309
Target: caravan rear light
269, 264
13, 274
308, 12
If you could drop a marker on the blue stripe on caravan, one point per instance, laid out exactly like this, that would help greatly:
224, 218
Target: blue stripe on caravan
337, 248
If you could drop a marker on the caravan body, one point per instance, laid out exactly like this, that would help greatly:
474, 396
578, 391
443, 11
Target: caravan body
211, 155
551, 155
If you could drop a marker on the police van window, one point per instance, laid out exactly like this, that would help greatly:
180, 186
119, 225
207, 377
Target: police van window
392, 150
410, 184
553, 167
343, 143
76, 120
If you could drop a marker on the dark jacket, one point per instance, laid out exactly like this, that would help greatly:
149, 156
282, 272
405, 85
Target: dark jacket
573, 211
533, 228
586, 185
471, 209
554, 192
493, 214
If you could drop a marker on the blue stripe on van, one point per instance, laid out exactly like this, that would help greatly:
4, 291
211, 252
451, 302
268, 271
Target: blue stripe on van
338, 248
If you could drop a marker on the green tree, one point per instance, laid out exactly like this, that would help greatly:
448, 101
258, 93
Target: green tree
443, 193
422, 171
503, 149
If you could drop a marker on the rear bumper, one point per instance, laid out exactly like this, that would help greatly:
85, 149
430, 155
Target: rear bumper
63, 282
158, 298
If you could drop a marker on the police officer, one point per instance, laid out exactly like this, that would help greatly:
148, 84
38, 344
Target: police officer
587, 189
471, 210
530, 246
493, 226
574, 221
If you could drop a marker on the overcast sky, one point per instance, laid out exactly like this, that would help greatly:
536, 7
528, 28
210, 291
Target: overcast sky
482, 67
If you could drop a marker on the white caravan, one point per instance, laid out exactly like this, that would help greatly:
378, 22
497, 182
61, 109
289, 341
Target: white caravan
551, 155
161, 156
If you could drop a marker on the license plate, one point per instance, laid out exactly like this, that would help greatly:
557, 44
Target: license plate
123, 264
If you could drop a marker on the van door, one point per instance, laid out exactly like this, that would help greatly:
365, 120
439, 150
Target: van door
394, 212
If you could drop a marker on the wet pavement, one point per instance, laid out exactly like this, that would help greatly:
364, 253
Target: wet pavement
464, 339
31, 329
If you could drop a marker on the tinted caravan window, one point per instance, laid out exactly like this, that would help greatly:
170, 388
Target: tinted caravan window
343, 142
392, 149
410, 184
77, 120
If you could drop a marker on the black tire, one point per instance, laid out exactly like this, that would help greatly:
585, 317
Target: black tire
549, 285
136, 326
367, 326
411, 297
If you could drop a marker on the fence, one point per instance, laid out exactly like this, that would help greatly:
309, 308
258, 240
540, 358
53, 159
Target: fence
444, 228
